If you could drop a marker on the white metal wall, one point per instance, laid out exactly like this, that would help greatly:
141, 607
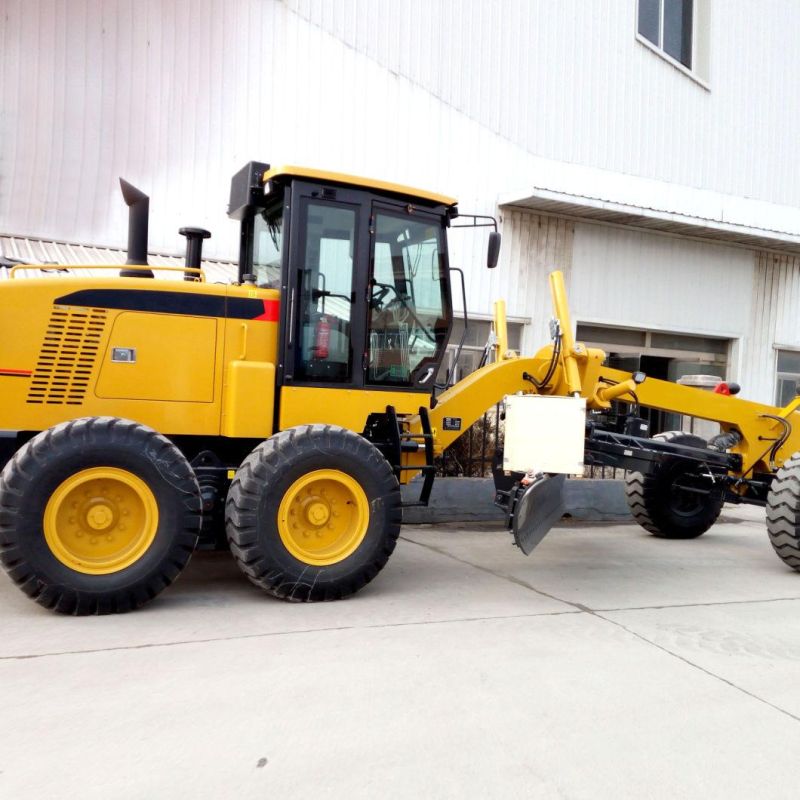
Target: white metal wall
461, 97
565, 79
774, 321
535, 246
658, 282
177, 96
666, 283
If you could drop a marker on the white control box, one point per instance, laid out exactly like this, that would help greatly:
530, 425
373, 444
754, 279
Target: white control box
544, 434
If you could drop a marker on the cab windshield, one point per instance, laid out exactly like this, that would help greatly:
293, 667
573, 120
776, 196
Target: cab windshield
408, 312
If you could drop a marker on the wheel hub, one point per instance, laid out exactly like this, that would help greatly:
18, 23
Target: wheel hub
323, 517
100, 520
316, 511
99, 515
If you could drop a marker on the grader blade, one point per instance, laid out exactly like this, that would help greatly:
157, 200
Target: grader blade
537, 510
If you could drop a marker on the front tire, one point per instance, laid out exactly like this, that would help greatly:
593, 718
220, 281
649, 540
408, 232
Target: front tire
662, 508
783, 513
313, 513
97, 515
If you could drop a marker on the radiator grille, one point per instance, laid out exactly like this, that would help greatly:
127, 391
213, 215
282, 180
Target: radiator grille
67, 356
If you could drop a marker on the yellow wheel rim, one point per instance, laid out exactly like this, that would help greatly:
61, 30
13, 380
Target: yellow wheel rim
100, 520
323, 517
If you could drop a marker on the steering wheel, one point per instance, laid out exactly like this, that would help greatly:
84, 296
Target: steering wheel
398, 299
376, 301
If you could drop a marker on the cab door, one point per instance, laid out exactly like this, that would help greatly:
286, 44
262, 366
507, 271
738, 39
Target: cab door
324, 331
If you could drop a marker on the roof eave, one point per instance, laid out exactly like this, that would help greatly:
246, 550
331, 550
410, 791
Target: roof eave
675, 222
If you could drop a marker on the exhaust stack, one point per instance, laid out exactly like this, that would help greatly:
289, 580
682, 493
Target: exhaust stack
194, 249
139, 211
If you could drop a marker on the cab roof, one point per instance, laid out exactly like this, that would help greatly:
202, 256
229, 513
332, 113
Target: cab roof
354, 180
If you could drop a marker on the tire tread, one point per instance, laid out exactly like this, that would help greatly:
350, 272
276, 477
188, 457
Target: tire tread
42, 450
641, 493
262, 468
783, 513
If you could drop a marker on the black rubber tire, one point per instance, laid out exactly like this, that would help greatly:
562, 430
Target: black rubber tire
783, 513
662, 511
256, 493
41, 465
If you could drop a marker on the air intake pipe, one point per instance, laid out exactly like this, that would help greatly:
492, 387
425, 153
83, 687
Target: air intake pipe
138, 213
194, 250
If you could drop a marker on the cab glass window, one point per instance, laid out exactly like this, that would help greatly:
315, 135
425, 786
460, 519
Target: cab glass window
407, 317
326, 294
267, 240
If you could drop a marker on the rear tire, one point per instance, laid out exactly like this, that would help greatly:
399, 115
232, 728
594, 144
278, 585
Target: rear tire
783, 513
97, 516
313, 513
661, 509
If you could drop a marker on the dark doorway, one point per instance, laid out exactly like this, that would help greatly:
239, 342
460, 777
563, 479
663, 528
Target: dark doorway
654, 367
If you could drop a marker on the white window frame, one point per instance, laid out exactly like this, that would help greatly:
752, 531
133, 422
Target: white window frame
780, 375
784, 376
658, 49
647, 349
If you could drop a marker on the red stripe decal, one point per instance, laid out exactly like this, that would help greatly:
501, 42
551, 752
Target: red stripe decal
271, 310
21, 373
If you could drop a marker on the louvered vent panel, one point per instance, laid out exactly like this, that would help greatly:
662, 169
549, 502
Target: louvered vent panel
67, 357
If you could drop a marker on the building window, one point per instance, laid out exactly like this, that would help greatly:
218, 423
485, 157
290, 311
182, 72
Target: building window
661, 355
788, 377
669, 25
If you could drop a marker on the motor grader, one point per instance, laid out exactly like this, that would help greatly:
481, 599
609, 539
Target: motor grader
280, 413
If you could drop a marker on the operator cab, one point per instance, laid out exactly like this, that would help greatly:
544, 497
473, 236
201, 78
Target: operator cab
362, 268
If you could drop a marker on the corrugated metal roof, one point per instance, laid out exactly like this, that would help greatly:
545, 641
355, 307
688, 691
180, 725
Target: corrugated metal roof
57, 257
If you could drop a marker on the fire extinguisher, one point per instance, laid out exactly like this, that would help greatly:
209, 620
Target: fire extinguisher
322, 337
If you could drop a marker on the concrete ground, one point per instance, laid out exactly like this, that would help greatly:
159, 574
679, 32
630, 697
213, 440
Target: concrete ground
609, 664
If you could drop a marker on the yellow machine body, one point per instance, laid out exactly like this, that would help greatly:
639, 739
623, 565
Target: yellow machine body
340, 314
202, 358
189, 373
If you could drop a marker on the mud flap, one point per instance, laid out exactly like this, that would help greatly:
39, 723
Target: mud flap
538, 507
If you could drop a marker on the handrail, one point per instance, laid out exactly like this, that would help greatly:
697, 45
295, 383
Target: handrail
201, 276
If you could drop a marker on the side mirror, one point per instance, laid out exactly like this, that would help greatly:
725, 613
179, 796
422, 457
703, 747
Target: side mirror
493, 251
